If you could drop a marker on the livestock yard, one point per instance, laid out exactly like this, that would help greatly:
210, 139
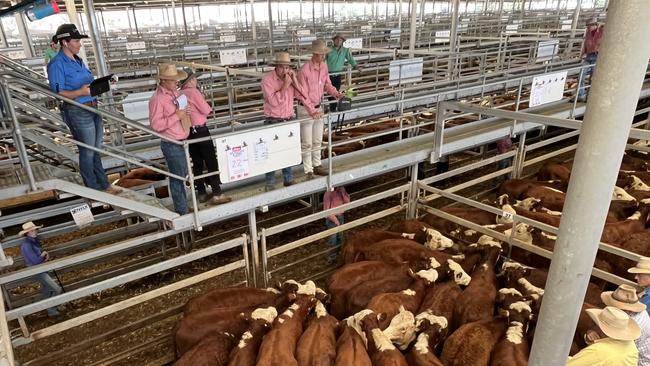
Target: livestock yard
483, 179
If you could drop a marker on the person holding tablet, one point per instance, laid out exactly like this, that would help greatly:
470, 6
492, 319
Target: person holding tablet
69, 77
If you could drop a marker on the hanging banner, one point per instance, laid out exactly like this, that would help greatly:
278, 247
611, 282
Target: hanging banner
82, 215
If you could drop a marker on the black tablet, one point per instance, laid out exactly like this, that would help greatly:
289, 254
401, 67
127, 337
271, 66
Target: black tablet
100, 85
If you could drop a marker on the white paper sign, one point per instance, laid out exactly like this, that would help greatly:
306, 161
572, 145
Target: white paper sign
228, 38
82, 215
546, 50
512, 28
566, 27
395, 33
130, 46
405, 71
261, 152
547, 88
182, 101
353, 43
306, 39
235, 56
238, 163
303, 32
366, 28
442, 36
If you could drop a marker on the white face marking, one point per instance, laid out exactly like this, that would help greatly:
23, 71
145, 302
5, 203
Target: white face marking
510, 291
408, 236
320, 310
244, 339
488, 241
469, 232
422, 344
354, 323
506, 220
635, 216
521, 233
433, 263
441, 321
408, 292
381, 341
515, 333
460, 277
437, 241
268, 314
401, 329
430, 275
527, 203
619, 194
520, 306
549, 236
638, 184
309, 288
512, 264
530, 288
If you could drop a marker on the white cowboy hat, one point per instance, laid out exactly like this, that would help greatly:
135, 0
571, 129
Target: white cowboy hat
615, 323
624, 298
319, 47
592, 20
642, 267
281, 58
338, 35
27, 227
167, 71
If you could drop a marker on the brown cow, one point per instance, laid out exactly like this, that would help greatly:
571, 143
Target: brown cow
618, 232
380, 348
553, 171
472, 343
515, 188
229, 297
513, 350
317, 345
245, 354
397, 251
433, 330
213, 350
350, 348
357, 240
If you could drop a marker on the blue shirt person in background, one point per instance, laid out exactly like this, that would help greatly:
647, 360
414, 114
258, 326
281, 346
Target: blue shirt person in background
642, 275
33, 253
70, 77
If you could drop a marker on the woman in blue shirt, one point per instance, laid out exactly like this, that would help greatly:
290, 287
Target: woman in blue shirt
71, 78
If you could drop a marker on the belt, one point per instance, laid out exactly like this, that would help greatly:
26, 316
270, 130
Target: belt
198, 127
275, 120
91, 103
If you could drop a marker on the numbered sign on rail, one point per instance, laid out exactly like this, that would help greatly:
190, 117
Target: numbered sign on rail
236, 56
547, 88
353, 43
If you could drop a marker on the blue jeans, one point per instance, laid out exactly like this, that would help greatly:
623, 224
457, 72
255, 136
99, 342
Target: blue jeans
334, 239
590, 59
177, 164
287, 176
49, 288
87, 127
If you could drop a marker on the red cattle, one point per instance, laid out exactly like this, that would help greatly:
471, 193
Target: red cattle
381, 350
513, 350
433, 330
212, 350
350, 349
553, 171
245, 354
357, 240
317, 345
472, 343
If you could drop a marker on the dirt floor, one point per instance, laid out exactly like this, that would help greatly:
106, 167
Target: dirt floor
152, 343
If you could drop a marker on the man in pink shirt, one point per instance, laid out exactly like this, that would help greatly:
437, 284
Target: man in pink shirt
335, 198
166, 118
314, 78
279, 88
202, 153
589, 52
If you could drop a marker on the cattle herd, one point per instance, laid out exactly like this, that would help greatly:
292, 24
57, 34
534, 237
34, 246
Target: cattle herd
421, 292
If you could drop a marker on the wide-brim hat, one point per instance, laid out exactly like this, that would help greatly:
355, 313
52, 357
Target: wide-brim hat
319, 47
643, 266
27, 227
624, 298
592, 20
167, 71
281, 58
68, 30
338, 35
615, 323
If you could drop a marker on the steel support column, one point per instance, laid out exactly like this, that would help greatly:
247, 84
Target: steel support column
574, 26
3, 35
95, 38
271, 25
399, 16
25, 36
135, 22
254, 30
184, 19
414, 18
452, 38
174, 14
614, 95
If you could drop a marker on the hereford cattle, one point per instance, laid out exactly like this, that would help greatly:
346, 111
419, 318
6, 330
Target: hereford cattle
350, 347
381, 350
513, 350
278, 347
632, 163
433, 329
618, 232
423, 232
397, 251
357, 240
212, 350
317, 345
472, 343
553, 171
245, 354
191, 330
441, 300
231, 297
539, 216
515, 188
549, 198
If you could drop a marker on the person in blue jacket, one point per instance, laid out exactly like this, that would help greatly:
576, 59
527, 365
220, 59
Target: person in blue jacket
33, 253
68, 76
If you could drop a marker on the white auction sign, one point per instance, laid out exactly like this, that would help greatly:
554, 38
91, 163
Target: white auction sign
82, 215
236, 56
395, 33
512, 28
546, 50
405, 71
303, 32
249, 154
566, 27
442, 36
366, 28
303, 40
353, 43
131, 46
228, 38
547, 88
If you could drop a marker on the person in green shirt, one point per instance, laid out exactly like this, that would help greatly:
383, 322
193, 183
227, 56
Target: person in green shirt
51, 51
336, 60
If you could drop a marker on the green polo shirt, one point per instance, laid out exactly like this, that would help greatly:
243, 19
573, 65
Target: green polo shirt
336, 59
50, 53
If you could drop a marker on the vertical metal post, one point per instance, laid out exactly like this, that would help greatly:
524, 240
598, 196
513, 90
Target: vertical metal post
574, 26
7, 352
3, 34
614, 96
265, 259
252, 225
101, 15
414, 15
399, 16
18, 136
190, 178
135, 21
95, 37
518, 166
247, 260
412, 204
453, 33
184, 20
174, 14
270, 26
254, 29
25, 36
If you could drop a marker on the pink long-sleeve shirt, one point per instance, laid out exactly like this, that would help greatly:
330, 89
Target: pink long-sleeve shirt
279, 104
162, 114
314, 79
200, 109
339, 196
592, 40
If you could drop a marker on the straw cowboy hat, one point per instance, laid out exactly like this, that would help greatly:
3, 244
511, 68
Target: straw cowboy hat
592, 20
319, 47
624, 298
27, 227
642, 267
615, 323
281, 58
338, 35
167, 71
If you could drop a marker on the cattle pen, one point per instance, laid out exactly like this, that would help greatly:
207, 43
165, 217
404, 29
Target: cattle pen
422, 141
